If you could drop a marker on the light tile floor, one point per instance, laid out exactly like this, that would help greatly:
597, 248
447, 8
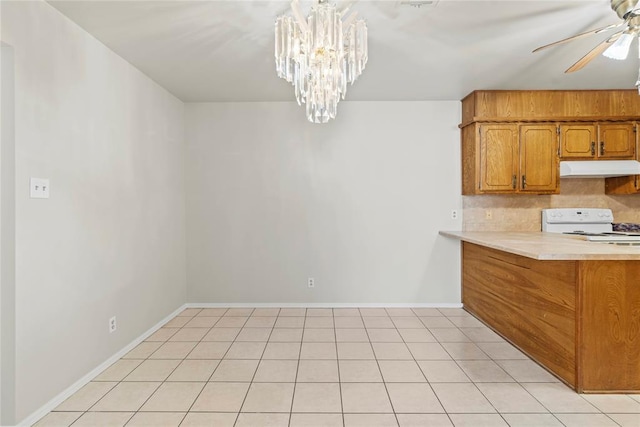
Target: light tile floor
332, 367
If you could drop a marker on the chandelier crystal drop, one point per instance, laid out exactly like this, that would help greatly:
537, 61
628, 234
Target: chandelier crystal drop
319, 55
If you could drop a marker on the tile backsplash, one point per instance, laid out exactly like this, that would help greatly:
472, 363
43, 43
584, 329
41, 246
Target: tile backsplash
522, 212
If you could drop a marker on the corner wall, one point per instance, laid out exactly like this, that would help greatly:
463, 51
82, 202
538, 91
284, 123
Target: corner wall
110, 241
356, 203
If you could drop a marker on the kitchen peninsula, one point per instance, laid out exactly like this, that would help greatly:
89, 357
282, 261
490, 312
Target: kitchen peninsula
571, 305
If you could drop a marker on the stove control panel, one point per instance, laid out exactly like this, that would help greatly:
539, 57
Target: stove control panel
572, 219
577, 215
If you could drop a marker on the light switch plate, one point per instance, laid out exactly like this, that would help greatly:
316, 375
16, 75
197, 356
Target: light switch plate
39, 188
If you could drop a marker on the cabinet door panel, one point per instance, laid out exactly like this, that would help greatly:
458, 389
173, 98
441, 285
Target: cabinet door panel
538, 158
617, 140
576, 140
498, 157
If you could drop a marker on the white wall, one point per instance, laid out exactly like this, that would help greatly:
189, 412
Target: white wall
271, 200
356, 203
111, 239
7, 235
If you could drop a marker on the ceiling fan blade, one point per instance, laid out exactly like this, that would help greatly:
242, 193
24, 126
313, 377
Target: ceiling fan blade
593, 53
581, 35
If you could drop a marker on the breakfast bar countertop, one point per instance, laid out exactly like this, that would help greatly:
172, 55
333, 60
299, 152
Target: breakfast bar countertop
546, 246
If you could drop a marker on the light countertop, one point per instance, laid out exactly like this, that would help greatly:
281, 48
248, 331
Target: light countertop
546, 246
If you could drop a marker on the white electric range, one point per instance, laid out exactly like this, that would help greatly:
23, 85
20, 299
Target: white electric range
594, 225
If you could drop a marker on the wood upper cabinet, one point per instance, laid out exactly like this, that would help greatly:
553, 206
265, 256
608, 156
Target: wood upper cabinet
538, 158
498, 157
598, 141
578, 140
512, 141
624, 184
617, 140
509, 158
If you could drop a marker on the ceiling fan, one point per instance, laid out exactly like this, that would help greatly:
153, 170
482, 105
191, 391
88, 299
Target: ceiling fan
617, 45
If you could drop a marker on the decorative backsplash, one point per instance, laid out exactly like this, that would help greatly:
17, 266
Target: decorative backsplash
523, 213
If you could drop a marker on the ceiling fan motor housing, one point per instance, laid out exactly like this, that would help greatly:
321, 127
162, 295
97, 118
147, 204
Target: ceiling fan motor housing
623, 7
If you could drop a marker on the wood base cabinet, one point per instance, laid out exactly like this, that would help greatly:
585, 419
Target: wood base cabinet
579, 319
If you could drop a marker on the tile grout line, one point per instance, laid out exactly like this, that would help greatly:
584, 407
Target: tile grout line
434, 392
214, 369
295, 382
473, 382
178, 365
375, 356
335, 337
172, 371
419, 367
257, 366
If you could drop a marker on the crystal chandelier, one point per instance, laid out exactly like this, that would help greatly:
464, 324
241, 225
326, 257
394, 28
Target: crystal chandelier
319, 55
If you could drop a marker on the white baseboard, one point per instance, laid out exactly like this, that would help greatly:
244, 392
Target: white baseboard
323, 305
53, 403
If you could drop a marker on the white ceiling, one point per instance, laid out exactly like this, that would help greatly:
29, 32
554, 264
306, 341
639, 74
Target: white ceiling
223, 50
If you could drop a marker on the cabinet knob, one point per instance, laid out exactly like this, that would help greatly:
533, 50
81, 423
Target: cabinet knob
524, 181
593, 148
601, 148
514, 181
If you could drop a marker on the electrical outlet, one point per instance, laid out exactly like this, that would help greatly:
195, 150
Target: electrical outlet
112, 324
310, 282
454, 214
488, 214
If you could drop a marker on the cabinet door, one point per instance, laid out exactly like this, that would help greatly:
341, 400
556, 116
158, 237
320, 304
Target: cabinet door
538, 158
617, 140
578, 140
498, 158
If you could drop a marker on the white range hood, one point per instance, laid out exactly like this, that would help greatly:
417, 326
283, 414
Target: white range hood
599, 168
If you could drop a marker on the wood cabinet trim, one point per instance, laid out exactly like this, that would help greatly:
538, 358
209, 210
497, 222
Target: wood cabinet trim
554, 119
550, 105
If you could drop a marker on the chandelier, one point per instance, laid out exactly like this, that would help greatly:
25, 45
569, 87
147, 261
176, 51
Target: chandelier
319, 55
